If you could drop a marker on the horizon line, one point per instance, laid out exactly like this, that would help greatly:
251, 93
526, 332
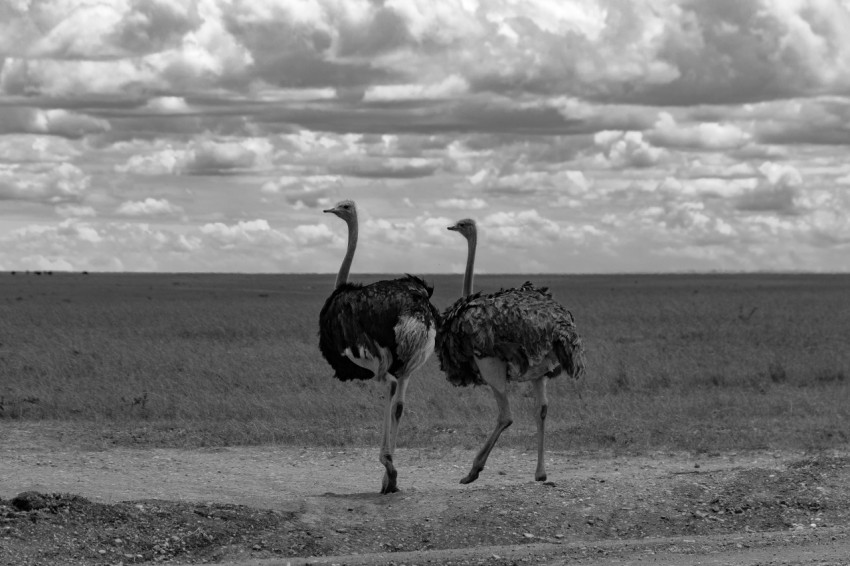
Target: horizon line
431, 274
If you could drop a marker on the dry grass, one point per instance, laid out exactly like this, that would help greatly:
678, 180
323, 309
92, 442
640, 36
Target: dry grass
702, 362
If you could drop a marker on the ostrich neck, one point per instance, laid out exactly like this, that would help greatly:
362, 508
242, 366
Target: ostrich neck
470, 265
342, 276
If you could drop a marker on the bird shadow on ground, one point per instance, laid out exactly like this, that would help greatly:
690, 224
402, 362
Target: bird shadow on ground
373, 497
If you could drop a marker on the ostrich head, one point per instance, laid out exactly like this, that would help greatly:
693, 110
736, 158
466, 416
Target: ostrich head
345, 209
465, 227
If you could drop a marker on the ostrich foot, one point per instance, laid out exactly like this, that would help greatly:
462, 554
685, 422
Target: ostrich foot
389, 484
540, 477
471, 477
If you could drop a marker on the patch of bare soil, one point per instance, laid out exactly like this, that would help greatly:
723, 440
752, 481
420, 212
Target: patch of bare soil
72, 506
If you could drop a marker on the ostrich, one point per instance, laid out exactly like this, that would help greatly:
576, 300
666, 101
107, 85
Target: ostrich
511, 335
384, 330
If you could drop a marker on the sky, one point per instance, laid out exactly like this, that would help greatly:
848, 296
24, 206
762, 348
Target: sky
584, 136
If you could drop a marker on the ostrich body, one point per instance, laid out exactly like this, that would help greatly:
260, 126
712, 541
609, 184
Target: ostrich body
512, 335
384, 330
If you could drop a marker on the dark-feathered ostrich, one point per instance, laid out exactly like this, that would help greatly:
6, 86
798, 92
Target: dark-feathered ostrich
384, 330
511, 335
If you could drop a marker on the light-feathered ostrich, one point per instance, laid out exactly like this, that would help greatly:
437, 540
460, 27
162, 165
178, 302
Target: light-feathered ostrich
511, 335
384, 330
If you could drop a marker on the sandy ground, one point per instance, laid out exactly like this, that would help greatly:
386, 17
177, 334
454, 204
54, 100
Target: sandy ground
271, 477
324, 485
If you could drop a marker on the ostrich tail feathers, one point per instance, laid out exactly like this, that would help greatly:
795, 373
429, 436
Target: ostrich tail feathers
419, 281
570, 352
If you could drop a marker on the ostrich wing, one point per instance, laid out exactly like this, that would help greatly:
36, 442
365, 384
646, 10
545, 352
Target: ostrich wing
519, 326
364, 317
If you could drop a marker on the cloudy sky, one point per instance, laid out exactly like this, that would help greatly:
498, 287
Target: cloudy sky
583, 136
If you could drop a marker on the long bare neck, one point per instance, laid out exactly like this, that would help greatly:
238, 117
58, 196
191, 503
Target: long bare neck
472, 242
342, 276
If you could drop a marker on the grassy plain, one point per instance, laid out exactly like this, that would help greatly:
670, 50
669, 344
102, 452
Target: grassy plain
680, 362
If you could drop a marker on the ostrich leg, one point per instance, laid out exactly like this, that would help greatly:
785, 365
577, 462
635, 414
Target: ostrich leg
495, 373
540, 416
394, 411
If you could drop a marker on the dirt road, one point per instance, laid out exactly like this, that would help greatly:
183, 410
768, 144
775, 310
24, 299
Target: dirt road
280, 505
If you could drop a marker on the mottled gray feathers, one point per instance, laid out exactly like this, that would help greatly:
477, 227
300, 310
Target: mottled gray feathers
519, 326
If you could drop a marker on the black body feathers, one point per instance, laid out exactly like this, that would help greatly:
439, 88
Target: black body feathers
359, 316
519, 326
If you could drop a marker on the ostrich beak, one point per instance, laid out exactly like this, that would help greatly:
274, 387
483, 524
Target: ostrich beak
333, 210
454, 228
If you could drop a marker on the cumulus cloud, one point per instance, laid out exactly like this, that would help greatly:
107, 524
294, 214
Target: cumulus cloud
717, 167
57, 122
697, 221
75, 210
306, 197
707, 135
750, 51
436, 228
391, 168
810, 121
714, 123
311, 235
304, 191
137, 246
516, 229
148, 207
211, 157
451, 86
391, 232
241, 233
36, 148
620, 150
49, 184
636, 52
829, 226
778, 191
203, 157
116, 29
162, 162
462, 204
167, 104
